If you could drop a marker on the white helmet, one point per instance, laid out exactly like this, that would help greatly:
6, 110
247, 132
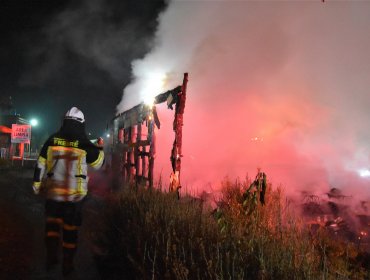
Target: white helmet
75, 114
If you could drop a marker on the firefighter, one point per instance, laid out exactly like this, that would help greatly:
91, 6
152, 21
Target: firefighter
63, 160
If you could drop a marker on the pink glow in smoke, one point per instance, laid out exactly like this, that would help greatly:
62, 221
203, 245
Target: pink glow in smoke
277, 85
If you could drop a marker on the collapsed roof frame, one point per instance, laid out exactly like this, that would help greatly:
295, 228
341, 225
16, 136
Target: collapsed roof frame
136, 153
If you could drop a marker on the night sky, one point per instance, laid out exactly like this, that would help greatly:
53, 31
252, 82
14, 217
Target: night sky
58, 54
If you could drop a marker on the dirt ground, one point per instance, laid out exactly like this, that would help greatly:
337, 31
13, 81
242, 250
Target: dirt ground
22, 251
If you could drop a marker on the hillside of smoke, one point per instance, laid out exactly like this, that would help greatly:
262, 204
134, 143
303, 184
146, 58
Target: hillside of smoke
277, 85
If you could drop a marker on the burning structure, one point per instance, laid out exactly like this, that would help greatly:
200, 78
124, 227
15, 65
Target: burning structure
134, 141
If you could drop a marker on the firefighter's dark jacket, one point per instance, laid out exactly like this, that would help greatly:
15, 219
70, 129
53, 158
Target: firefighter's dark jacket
64, 158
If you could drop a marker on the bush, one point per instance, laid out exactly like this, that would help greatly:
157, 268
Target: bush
147, 234
4, 163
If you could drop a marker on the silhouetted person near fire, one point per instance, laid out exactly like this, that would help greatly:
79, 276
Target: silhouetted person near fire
64, 159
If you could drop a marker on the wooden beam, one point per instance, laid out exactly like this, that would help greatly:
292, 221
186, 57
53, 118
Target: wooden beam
176, 153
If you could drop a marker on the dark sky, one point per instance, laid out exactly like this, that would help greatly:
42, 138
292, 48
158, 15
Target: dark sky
58, 54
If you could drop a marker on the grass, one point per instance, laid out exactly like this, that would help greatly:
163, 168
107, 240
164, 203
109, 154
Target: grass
4, 163
148, 234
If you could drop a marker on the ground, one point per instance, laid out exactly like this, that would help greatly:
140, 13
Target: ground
22, 252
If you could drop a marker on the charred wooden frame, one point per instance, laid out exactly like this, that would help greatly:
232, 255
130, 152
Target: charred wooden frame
134, 138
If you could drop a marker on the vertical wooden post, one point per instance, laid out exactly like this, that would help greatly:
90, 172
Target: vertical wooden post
126, 157
151, 137
150, 171
123, 158
120, 136
143, 163
132, 155
176, 153
137, 151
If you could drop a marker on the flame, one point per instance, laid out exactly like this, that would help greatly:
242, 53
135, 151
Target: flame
154, 85
363, 233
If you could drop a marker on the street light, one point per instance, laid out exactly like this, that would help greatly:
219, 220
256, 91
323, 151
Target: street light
34, 122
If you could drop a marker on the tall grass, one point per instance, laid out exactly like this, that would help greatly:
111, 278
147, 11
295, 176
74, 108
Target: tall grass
4, 163
148, 234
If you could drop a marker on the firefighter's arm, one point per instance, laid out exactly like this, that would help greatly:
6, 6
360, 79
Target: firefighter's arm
95, 155
38, 174
99, 161
40, 168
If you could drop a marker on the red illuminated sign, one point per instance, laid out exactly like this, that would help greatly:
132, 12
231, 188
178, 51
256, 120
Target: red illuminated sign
21, 133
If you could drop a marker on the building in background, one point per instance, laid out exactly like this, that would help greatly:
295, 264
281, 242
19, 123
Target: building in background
15, 132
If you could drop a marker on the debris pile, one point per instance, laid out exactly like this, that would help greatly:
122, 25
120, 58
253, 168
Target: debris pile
335, 212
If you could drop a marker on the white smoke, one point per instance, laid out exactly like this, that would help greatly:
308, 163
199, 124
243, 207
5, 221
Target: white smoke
294, 74
171, 56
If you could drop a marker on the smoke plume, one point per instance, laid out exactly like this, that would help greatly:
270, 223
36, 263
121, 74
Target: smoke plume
278, 85
79, 53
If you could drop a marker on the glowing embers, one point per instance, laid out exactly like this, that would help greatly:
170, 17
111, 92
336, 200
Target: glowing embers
257, 139
363, 234
154, 83
364, 172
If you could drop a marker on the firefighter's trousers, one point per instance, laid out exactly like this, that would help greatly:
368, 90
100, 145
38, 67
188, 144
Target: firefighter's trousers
63, 220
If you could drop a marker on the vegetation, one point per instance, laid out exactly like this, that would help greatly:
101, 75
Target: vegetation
148, 234
4, 163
